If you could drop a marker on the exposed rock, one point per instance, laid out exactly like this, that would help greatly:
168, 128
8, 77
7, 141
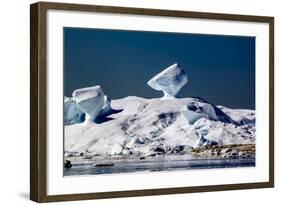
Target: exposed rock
104, 164
225, 151
159, 150
67, 164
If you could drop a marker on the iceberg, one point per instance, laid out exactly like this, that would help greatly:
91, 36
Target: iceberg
90, 100
72, 112
169, 81
106, 108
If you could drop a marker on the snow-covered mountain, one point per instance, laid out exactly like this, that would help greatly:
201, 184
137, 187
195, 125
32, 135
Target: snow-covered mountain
95, 125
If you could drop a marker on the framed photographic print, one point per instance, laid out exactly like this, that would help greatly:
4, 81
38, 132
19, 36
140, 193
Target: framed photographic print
134, 102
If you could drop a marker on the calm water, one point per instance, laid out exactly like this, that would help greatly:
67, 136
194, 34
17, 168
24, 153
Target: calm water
159, 164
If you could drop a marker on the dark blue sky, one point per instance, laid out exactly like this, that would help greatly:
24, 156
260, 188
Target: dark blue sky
221, 69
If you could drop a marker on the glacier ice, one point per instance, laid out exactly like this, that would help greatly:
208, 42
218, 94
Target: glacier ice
169, 81
90, 100
147, 126
202, 140
196, 110
116, 149
106, 108
72, 112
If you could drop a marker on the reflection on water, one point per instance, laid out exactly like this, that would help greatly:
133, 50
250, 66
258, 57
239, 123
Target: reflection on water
162, 164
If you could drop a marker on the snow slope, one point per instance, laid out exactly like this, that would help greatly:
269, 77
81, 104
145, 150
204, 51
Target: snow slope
140, 126
241, 116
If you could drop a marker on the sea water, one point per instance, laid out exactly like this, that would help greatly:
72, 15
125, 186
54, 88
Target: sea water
156, 164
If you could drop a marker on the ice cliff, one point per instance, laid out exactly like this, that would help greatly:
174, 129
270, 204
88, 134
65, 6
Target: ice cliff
72, 112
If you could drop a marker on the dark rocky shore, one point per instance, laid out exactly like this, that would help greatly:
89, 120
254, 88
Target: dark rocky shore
226, 151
